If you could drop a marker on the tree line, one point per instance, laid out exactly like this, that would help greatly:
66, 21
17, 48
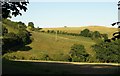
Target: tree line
86, 33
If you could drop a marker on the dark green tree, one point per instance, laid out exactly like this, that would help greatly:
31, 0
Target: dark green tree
78, 53
31, 24
25, 37
96, 34
108, 51
105, 36
85, 32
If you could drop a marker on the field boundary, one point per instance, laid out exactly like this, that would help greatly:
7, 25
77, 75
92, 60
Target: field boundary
77, 63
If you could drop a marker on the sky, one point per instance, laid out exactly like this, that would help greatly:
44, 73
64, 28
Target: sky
71, 14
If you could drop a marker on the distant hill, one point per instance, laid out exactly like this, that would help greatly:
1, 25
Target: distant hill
101, 29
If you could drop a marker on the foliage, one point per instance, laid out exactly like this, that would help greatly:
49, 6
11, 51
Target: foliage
108, 51
12, 8
78, 53
85, 33
4, 30
105, 36
22, 25
88, 33
96, 34
31, 26
12, 40
25, 36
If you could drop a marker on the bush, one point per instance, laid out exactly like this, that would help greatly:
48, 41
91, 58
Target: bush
108, 51
85, 33
93, 35
11, 41
25, 37
78, 53
96, 34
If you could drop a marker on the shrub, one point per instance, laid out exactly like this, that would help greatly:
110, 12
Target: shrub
108, 51
96, 34
25, 37
85, 33
78, 53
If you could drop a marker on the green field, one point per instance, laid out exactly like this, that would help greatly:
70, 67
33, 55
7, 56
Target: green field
58, 49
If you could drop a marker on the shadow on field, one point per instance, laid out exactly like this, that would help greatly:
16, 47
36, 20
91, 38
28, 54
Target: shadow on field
37, 68
25, 48
17, 48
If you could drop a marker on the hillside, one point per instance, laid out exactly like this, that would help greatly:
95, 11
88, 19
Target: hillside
101, 29
57, 47
46, 44
47, 53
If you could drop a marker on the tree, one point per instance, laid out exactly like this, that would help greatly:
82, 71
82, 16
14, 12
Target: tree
31, 26
108, 52
105, 36
9, 7
96, 34
78, 53
85, 32
25, 37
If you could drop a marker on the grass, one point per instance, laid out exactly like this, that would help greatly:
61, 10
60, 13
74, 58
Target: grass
46, 44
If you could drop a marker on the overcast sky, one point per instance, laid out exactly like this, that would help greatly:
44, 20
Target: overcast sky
72, 14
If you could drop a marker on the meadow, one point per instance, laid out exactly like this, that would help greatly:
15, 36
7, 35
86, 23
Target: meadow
49, 46
49, 51
46, 44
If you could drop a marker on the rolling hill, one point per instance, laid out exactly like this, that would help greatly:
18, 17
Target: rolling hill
57, 49
46, 44
101, 29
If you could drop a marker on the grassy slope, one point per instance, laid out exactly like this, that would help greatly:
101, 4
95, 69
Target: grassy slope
101, 29
47, 44
58, 49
